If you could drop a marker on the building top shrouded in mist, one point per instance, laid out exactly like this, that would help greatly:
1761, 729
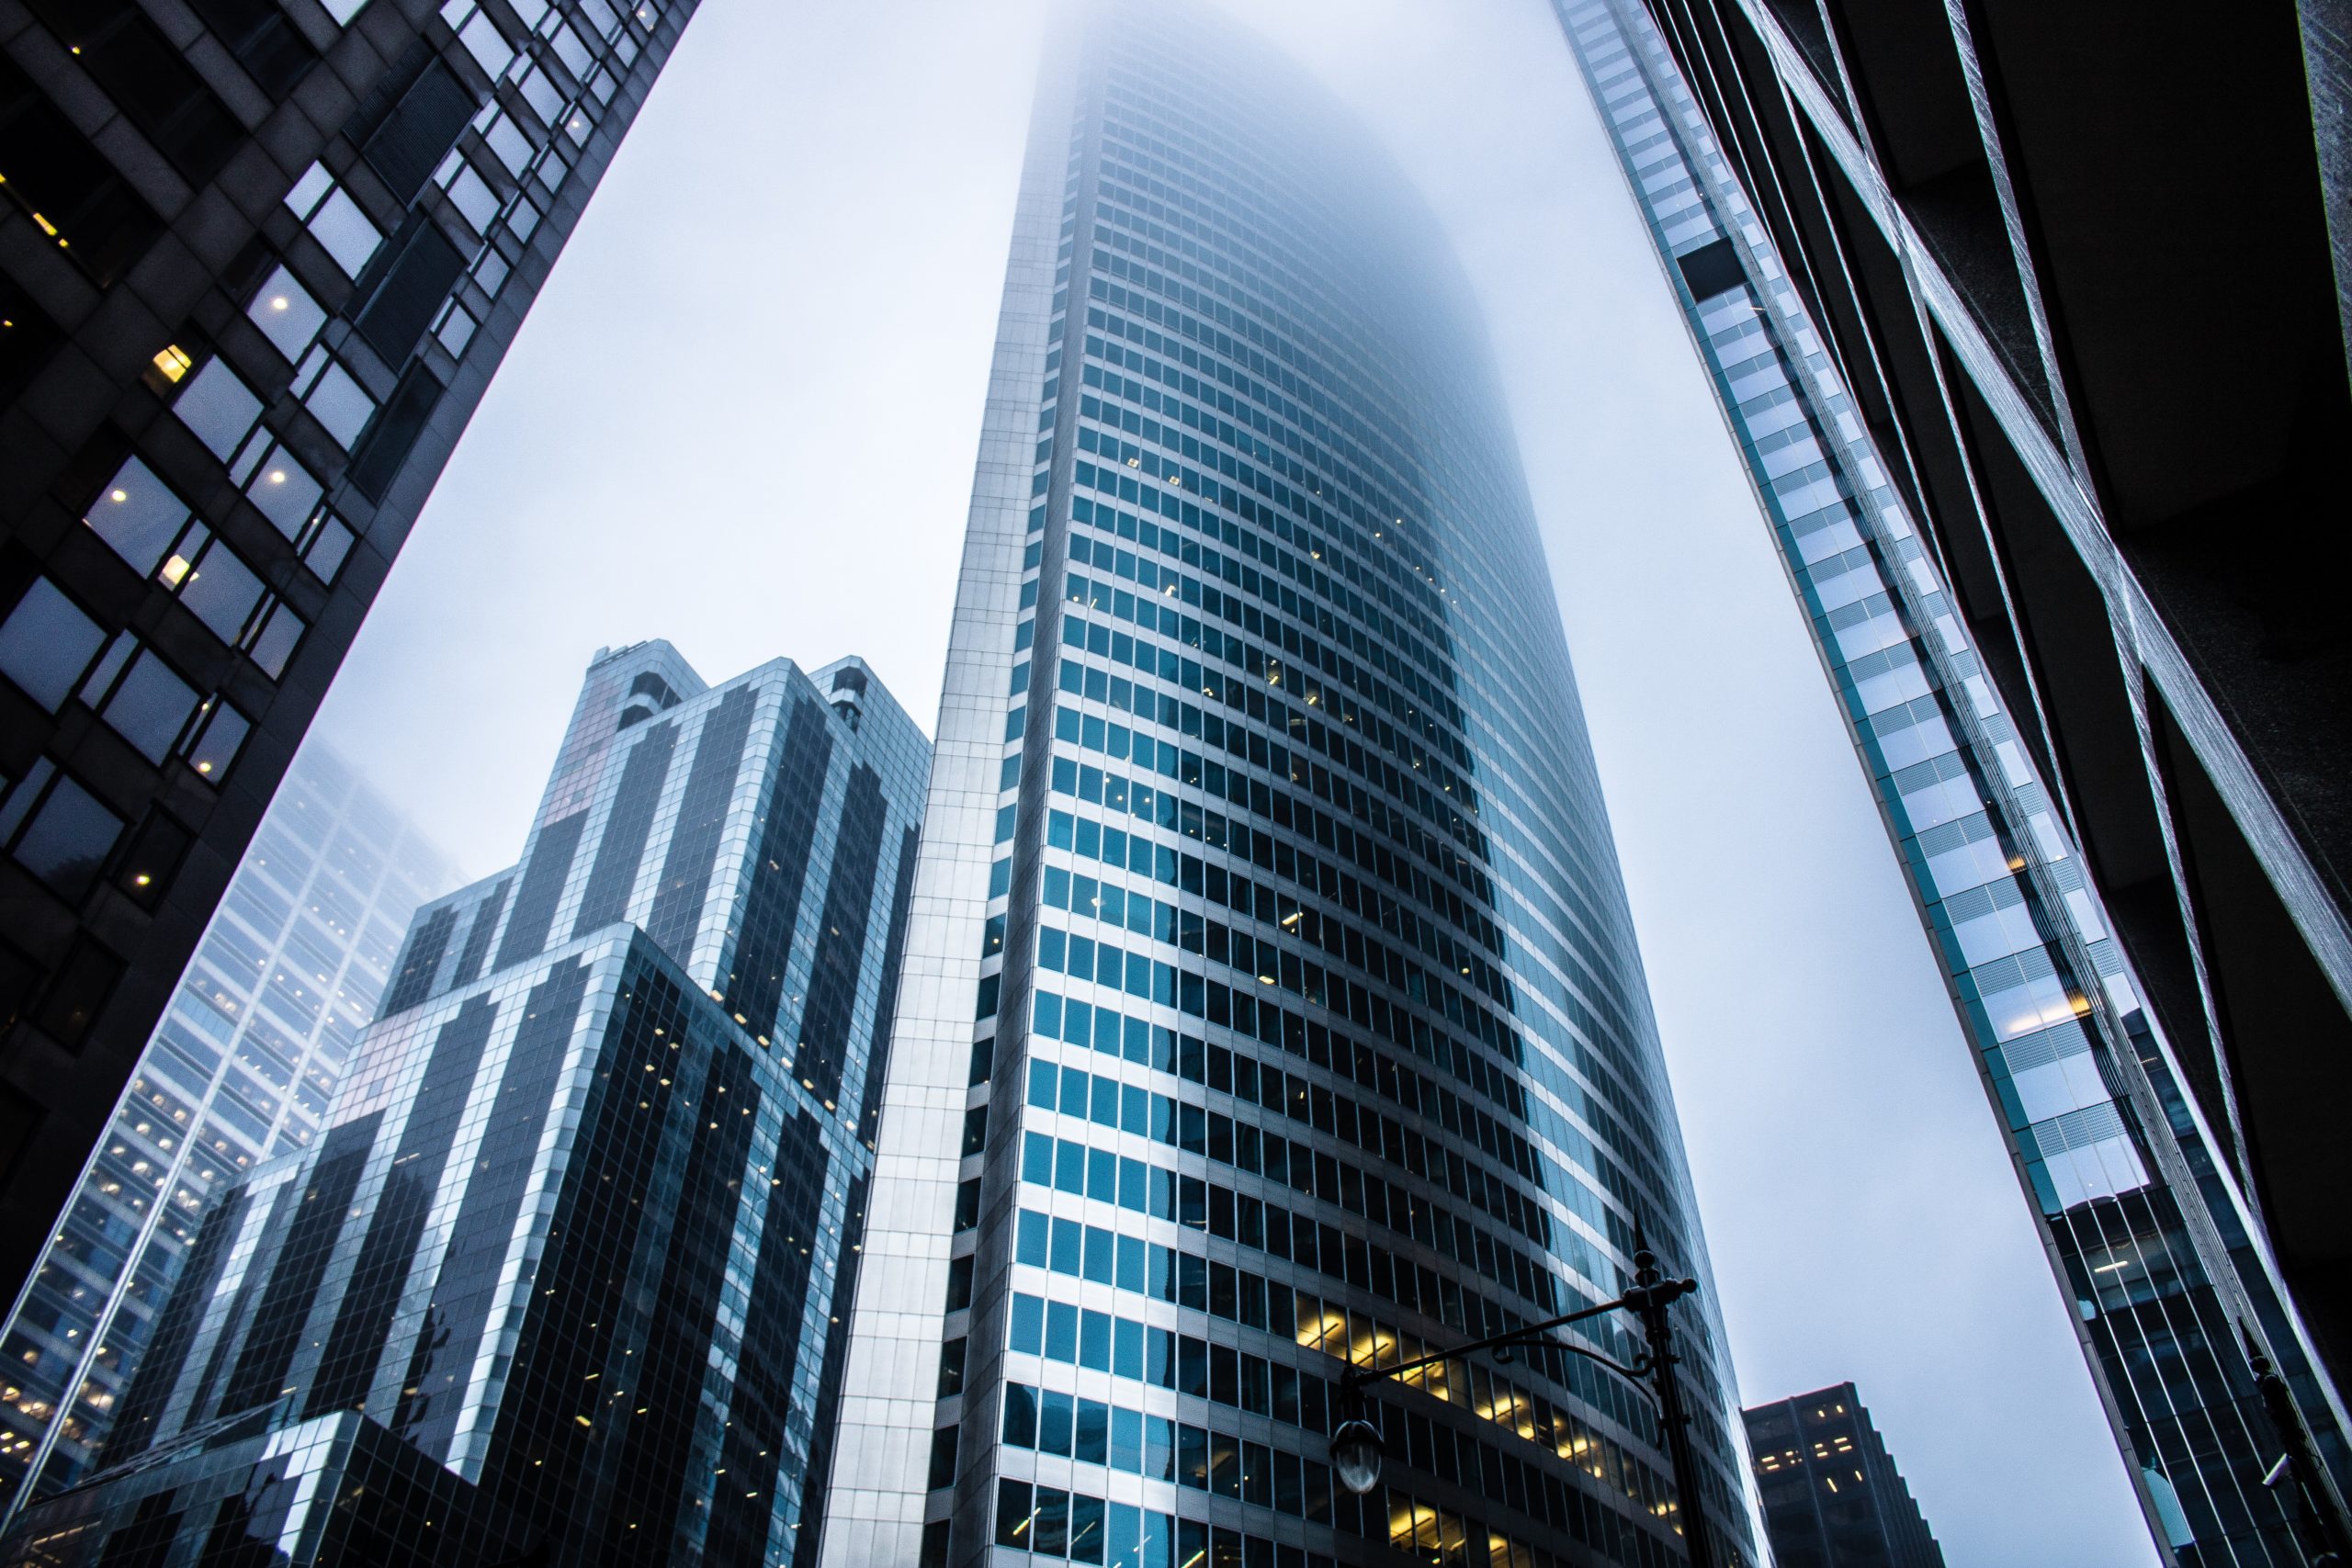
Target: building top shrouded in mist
560, 1281
1266, 849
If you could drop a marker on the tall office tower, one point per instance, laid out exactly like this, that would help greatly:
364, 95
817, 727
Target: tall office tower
2154, 1238
2084, 270
249, 1053
258, 261
1832, 1495
1265, 845
558, 1283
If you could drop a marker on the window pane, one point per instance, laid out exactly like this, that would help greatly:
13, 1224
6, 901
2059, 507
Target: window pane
222, 591
327, 551
276, 644
46, 644
151, 707
68, 839
286, 314
220, 408
345, 231
138, 515
286, 492
340, 405
218, 745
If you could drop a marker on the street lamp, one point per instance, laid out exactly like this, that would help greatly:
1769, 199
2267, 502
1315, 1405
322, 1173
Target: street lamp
1356, 1443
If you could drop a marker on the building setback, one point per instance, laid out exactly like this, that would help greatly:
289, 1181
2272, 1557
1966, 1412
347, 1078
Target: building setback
1832, 1495
1265, 847
2084, 271
2146, 1220
257, 264
558, 1281
242, 1068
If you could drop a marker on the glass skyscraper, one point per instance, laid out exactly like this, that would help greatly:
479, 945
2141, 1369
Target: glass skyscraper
2150, 1233
259, 260
2084, 271
1271, 1005
240, 1069
558, 1282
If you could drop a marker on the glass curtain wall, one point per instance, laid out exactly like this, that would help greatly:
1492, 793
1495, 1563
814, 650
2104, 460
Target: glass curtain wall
288, 972
2147, 1233
1266, 846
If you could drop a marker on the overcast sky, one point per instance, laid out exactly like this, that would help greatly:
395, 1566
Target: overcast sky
743, 414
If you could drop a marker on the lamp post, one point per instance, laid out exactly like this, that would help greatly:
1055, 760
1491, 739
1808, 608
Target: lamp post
2300, 1480
1355, 1442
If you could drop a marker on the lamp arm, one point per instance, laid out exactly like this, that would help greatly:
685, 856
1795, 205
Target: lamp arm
1359, 1377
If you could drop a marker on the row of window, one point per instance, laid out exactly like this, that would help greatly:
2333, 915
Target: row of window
1376, 850
1316, 614
1085, 894
1257, 695
1531, 739
1062, 1332
1099, 786
1158, 1449
1261, 1151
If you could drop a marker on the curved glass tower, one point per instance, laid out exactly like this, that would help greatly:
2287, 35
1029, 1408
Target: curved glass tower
1266, 848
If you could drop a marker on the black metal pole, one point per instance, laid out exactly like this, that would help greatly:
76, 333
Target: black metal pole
1650, 1298
1652, 1294
2318, 1502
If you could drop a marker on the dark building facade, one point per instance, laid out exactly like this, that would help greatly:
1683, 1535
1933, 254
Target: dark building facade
2082, 269
558, 1281
2152, 1233
1832, 1495
1273, 1004
258, 262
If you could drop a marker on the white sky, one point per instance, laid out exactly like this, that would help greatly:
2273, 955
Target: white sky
743, 414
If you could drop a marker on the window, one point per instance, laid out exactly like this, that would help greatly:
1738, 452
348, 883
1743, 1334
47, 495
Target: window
67, 838
469, 193
508, 142
67, 186
220, 734
328, 548
286, 314
222, 591
335, 220
220, 408
46, 643
144, 701
335, 398
456, 328
77, 991
154, 854
480, 34
274, 636
285, 492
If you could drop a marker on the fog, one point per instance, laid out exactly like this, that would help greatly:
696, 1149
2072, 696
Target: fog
744, 415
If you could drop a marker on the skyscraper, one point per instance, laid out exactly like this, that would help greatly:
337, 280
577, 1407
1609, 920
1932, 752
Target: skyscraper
559, 1282
257, 264
1265, 847
249, 1053
1832, 1495
2085, 273
2154, 1237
